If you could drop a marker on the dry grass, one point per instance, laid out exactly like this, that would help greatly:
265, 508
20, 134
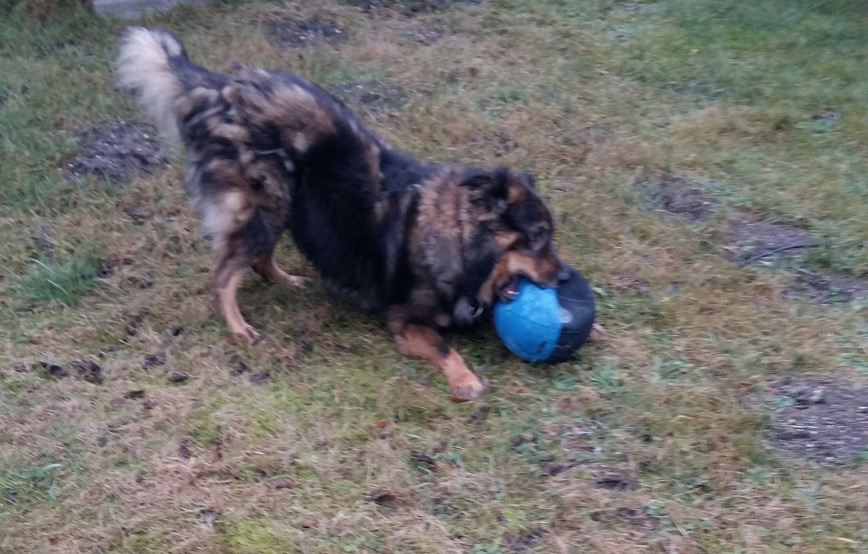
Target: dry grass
563, 89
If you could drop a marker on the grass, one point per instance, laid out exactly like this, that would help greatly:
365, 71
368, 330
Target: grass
593, 96
66, 282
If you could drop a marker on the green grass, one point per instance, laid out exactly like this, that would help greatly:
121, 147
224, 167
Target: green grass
593, 96
66, 282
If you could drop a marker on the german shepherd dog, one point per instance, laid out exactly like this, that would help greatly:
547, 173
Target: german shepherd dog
426, 246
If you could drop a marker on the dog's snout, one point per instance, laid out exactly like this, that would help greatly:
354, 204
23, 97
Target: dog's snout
563, 273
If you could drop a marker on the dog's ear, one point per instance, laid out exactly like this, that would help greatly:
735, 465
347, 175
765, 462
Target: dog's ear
488, 188
526, 179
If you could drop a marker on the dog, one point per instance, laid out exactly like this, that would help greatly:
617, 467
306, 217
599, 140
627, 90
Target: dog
426, 246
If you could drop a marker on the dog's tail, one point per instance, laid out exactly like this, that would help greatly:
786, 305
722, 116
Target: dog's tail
154, 65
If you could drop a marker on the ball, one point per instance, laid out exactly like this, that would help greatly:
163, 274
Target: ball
543, 324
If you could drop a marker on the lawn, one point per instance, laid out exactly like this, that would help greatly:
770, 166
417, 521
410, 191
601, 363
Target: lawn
707, 161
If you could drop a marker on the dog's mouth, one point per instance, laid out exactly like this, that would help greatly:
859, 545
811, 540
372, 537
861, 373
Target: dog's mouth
509, 289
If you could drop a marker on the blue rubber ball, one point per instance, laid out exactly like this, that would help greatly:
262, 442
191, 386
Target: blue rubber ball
546, 324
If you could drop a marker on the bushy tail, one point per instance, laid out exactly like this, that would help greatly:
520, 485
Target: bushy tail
145, 66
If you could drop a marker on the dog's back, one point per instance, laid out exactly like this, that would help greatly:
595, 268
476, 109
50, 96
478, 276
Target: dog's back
268, 150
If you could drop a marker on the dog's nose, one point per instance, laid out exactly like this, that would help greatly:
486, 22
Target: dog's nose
563, 273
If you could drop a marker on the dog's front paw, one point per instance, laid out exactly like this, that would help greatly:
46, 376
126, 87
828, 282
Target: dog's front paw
248, 335
468, 388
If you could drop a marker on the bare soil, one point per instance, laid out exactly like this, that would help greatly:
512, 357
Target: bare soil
828, 116
116, 150
409, 7
303, 33
827, 288
679, 196
823, 420
745, 238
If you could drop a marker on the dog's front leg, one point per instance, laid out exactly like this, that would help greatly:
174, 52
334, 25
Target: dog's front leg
423, 341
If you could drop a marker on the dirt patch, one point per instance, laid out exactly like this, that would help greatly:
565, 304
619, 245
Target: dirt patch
828, 116
374, 96
409, 7
303, 33
678, 196
745, 240
823, 420
424, 35
115, 151
370, 5
826, 288
759, 242
422, 6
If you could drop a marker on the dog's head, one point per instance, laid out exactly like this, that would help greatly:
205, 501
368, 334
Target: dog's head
516, 226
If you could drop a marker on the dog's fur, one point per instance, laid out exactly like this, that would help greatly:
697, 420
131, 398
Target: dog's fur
425, 245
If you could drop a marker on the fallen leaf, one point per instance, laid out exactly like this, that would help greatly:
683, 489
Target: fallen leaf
153, 360
424, 460
54, 370
384, 497
88, 370
240, 367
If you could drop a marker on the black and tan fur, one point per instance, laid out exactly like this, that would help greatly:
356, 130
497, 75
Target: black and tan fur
427, 246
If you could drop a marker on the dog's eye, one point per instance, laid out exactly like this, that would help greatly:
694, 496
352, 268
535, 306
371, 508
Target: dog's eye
538, 235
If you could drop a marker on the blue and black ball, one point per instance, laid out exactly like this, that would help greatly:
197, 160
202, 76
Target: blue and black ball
546, 324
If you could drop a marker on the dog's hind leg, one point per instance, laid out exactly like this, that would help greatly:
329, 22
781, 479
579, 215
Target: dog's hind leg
423, 341
268, 269
225, 278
